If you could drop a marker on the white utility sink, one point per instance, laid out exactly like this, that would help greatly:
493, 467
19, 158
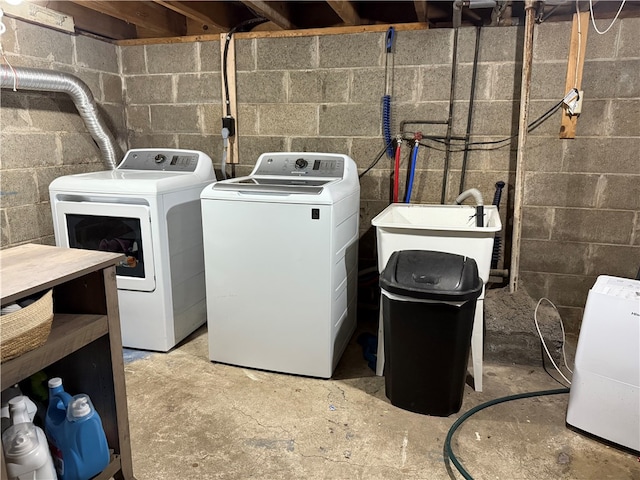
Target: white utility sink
440, 228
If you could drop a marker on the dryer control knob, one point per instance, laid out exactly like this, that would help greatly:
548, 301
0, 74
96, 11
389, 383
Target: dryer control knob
160, 158
301, 163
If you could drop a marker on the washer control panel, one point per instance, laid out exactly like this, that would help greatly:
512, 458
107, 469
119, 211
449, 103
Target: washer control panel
160, 159
303, 164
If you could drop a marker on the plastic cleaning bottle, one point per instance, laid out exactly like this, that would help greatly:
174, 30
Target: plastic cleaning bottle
26, 452
7, 395
55, 420
86, 452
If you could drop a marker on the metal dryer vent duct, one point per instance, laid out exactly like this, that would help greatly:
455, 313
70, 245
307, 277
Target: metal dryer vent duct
51, 81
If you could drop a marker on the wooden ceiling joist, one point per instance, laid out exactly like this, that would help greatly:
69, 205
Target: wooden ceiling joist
183, 9
422, 9
276, 12
146, 15
88, 20
346, 11
185, 19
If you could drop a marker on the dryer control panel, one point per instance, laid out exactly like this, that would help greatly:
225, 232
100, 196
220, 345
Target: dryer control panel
302, 164
160, 159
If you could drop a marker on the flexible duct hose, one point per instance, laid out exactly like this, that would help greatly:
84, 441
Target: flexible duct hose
412, 171
51, 81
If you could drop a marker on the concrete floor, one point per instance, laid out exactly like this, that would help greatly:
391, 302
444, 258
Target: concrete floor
193, 419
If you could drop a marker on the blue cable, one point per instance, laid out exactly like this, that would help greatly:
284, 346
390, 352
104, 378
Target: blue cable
412, 170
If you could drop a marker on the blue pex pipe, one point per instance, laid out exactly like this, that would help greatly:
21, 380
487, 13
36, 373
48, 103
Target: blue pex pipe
412, 171
386, 124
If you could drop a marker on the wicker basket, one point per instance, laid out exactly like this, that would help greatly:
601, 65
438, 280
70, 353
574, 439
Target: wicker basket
27, 328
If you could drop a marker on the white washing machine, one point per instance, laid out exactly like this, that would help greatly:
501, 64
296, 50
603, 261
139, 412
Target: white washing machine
281, 263
149, 209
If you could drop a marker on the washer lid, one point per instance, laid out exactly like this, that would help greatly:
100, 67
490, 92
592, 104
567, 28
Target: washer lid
296, 185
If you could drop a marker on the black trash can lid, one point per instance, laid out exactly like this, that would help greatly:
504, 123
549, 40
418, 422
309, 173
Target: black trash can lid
430, 275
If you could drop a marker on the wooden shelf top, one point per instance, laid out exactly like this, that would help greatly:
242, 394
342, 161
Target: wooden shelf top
31, 268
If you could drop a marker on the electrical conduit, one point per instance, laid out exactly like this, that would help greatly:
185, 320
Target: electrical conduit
52, 81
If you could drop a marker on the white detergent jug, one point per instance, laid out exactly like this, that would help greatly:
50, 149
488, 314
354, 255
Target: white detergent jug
26, 451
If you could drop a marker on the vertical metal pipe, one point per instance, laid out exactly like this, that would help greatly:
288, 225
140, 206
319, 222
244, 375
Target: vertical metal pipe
454, 63
527, 60
472, 96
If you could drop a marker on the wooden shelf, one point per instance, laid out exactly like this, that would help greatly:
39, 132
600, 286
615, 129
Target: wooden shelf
68, 334
84, 347
111, 470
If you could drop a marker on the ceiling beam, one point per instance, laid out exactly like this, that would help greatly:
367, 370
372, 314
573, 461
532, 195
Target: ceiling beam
346, 11
146, 15
422, 9
183, 9
277, 12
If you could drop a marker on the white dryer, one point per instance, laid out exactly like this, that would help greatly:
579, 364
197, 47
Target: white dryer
281, 263
149, 209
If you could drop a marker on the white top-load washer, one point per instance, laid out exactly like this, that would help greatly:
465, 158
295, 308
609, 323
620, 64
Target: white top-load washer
281, 263
149, 209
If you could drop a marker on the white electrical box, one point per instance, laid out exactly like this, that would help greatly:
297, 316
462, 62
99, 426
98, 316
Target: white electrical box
605, 389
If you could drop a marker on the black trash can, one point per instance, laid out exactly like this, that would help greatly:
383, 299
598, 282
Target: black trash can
428, 304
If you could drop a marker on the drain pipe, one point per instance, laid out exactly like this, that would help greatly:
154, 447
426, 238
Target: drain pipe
21, 78
527, 60
477, 196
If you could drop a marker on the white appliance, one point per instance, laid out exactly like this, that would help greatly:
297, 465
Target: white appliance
605, 388
149, 209
281, 263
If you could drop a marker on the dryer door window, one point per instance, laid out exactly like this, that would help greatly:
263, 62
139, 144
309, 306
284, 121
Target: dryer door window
116, 228
110, 234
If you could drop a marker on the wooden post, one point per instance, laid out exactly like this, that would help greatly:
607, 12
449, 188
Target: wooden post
575, 64
232, 152
527, 60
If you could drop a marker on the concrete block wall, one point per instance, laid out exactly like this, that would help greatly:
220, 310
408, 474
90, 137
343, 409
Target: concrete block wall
42, 135
581, 213
173, 96
323, 93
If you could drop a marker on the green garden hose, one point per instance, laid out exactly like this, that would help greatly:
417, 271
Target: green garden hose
447, 443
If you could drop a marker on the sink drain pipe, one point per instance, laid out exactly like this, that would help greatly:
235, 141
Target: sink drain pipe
22, 78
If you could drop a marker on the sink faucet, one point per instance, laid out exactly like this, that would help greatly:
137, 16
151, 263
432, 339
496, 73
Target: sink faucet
475, 193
